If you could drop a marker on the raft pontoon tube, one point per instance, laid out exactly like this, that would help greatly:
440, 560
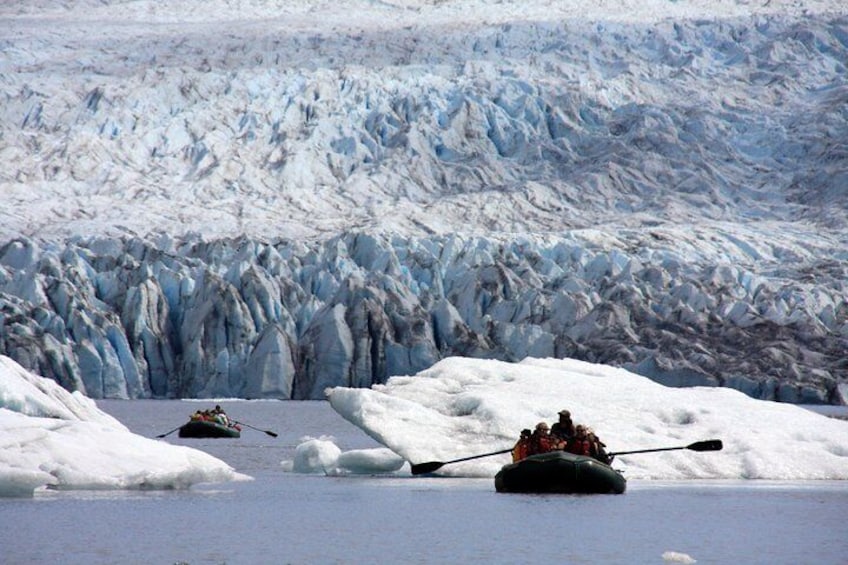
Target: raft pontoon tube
560, 472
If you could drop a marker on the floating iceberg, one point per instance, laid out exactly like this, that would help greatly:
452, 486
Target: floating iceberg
61, 440
462, 407
322, 455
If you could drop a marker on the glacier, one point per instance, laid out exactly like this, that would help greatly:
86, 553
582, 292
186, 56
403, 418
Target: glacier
265, 199
135, 318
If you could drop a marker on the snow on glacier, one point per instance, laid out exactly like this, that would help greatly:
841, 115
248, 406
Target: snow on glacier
298, 120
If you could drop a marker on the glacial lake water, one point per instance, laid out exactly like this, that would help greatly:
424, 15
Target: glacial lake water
283, 517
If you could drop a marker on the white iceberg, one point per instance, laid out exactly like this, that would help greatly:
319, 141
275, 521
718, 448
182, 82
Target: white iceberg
56, 439
322, 455
462, 407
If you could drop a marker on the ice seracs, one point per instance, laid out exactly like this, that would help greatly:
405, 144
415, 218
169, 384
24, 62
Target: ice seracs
167, 317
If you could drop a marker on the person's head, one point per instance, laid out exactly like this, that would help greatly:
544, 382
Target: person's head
580, 431
564, 416
542, 428
526, 432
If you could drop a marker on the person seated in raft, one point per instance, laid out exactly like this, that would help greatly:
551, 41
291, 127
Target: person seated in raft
522, 446
578, 443
596, 448
564, 428
220, 416
541, 440
585, 442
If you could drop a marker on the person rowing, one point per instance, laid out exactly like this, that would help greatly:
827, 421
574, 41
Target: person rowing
564, 428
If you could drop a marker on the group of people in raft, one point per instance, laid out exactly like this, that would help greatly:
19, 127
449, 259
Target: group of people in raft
562, 436
216, 415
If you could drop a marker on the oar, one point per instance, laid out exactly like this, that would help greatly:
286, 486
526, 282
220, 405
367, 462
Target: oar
431, 466
169, 433
269, 432
706, 445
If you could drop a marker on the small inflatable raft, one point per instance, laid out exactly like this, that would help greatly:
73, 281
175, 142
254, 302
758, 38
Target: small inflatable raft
560, 472
208, 428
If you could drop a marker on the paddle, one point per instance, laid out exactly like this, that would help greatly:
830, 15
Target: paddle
169, 433
706, 445
270, 433
431, 466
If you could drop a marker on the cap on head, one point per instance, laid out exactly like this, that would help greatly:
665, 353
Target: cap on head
565, 413
542, 426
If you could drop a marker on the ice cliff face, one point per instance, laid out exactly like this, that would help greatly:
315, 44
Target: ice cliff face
164, 318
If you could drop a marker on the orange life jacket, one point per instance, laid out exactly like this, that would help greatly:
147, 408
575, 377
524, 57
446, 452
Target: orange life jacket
521, 449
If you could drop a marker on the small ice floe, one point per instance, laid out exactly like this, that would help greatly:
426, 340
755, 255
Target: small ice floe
315, 455
322, 455
370, 461
676, 557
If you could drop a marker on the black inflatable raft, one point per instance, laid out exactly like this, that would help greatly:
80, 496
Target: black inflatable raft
208, 428
560, 472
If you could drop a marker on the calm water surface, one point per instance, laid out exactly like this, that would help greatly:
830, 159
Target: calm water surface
284, 517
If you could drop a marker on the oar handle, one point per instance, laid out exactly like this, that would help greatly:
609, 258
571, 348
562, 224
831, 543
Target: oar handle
269, 432
646, 450
160, 436
706, 445
478, 456
430, 466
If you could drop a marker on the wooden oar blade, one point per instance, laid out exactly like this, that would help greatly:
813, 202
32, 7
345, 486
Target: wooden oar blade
706, 445
424, 468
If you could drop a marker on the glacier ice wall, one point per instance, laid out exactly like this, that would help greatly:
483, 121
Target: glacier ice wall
165, 317
679, 169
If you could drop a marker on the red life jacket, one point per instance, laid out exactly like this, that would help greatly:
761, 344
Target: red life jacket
578, 446
541, 444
